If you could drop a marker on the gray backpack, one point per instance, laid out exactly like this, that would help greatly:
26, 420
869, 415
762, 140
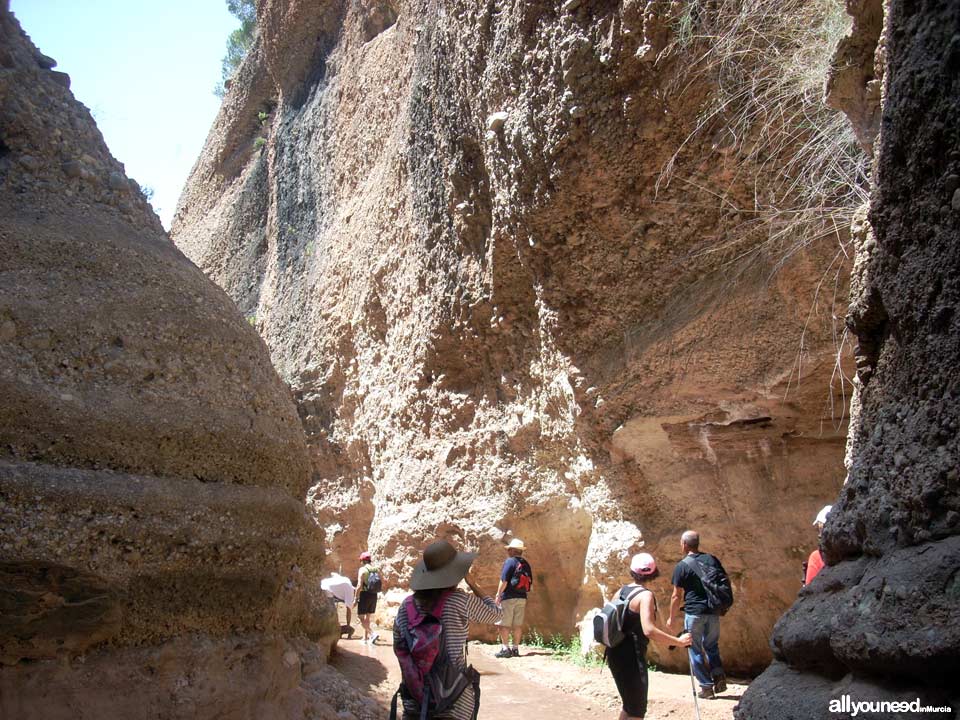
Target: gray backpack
608, 623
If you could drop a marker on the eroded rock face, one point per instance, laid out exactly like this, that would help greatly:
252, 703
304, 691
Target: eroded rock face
881, 622
152, 466
499, 319
856, 73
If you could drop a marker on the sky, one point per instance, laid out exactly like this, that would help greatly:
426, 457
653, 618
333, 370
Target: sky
146, 71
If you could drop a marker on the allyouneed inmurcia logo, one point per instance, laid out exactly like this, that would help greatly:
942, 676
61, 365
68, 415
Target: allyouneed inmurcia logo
845, 705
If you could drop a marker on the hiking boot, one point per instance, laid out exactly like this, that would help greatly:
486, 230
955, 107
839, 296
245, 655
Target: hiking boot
515, 652
720, 683
504, 653
706, 693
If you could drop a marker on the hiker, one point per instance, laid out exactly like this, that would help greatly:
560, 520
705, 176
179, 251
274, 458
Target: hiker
700, 620
814, 563
516, 579
369, 584
341, 590
432, 655
628, 659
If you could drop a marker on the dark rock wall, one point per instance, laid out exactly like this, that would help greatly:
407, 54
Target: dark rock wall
882, 621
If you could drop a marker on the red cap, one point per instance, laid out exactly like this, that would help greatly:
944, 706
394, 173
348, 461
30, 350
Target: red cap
365, 555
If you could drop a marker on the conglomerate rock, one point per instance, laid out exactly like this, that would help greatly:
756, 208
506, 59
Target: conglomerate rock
154, 541
501, 318
881, 622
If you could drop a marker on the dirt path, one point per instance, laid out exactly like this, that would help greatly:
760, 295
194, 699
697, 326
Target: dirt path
535, 685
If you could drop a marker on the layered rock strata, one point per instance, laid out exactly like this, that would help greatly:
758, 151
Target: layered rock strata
881, 622
156, 556
451, 224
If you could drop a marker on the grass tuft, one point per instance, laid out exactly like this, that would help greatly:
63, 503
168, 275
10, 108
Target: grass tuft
563, 648
768, 60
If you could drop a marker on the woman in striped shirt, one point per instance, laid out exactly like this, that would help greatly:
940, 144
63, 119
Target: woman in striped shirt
436, 577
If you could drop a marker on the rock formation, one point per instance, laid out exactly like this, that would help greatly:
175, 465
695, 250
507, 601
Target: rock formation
881, 622
452, 224
156, 555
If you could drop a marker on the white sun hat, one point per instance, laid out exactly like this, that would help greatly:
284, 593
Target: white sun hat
822, 515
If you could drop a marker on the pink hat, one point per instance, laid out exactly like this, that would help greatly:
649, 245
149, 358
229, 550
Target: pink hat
365, 555
643, 564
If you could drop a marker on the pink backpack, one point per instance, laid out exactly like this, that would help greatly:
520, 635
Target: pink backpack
429, 679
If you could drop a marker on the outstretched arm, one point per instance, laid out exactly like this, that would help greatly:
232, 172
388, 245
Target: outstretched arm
644, 605
480, 606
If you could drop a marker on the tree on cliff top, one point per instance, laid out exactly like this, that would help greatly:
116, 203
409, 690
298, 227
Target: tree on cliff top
239, 41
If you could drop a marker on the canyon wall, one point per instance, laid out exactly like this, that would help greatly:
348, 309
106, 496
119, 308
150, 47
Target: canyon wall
881, 622
156, 555
505, 273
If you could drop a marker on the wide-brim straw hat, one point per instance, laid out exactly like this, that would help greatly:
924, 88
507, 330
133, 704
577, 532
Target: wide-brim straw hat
516, 544
441, 567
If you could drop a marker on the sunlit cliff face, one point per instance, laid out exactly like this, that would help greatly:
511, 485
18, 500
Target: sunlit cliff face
495, 320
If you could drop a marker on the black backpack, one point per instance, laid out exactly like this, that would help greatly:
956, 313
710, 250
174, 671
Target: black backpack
522, 578
715, 583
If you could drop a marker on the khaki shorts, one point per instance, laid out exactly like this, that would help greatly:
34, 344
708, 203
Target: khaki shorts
512, 612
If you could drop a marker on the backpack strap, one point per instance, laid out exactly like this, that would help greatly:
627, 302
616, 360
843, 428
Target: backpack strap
476, 692
629, 598
698, 568
636, 645
405, 609
695, 565
425, 705
640, 589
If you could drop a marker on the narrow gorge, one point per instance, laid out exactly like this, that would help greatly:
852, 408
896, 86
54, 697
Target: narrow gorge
583, 272
496, 310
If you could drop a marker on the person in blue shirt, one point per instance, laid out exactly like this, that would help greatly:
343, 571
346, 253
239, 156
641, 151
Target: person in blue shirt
516, 579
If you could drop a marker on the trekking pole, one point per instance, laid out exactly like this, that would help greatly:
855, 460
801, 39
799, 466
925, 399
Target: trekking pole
693, 688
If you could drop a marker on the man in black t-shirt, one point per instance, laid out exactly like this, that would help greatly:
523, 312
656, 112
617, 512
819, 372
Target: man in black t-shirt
702, 623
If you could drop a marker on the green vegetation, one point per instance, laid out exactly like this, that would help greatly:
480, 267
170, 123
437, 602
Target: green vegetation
239, 42
566, 649
259, 142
